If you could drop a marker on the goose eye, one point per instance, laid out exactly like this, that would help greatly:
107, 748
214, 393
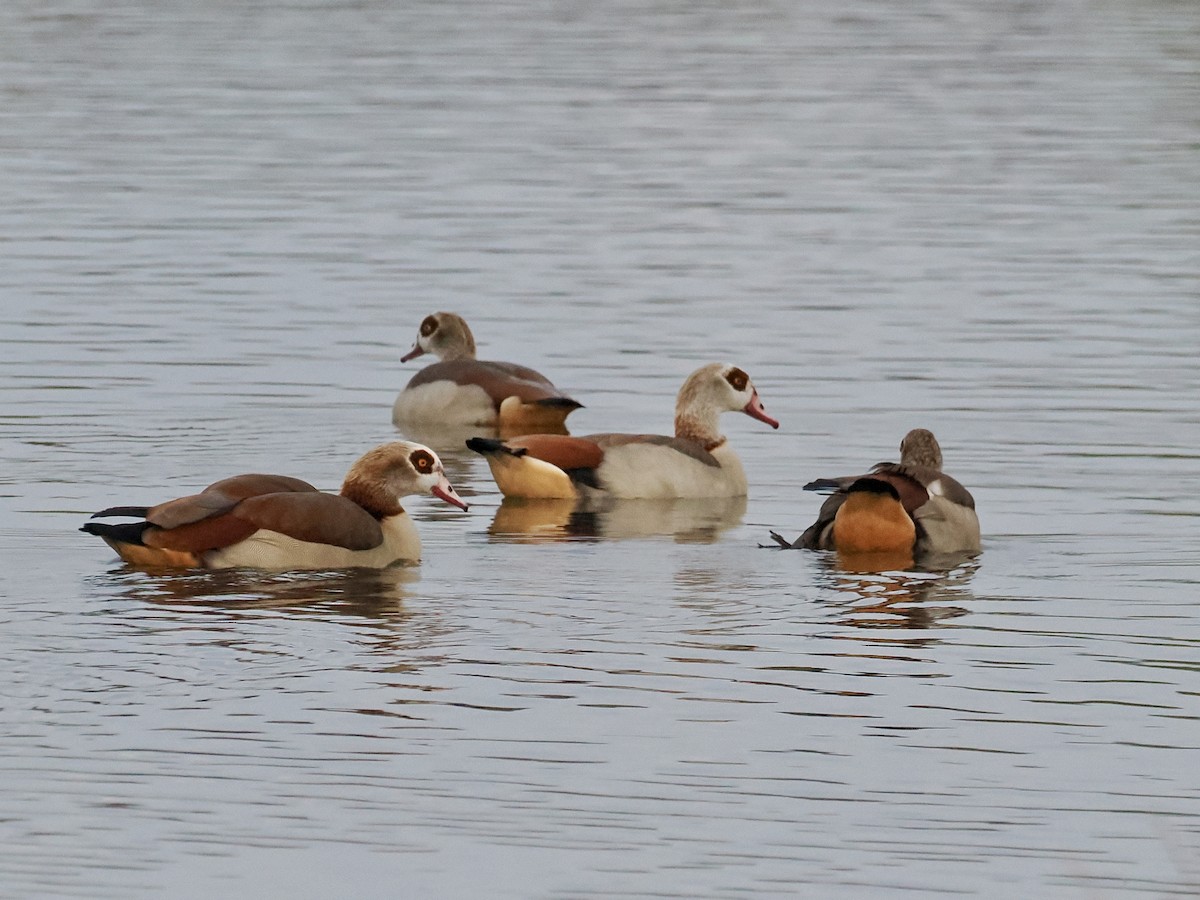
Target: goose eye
737, 379
422, 461
429, 326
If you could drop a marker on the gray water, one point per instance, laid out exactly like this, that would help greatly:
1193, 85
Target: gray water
220, 225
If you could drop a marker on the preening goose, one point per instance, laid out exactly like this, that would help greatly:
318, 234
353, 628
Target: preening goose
463, 390
910, 506
277, 522
696, 462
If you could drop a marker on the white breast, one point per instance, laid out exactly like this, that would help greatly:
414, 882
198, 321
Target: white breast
271, 550
653, 471
445, 403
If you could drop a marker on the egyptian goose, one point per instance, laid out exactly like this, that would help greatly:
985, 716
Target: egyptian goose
910, 507
463, 390
277, 522
697, 462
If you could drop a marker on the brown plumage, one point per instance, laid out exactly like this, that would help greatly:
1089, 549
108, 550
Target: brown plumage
463, 390
940, 510
872, 518
274, 521
560, 450
696, 462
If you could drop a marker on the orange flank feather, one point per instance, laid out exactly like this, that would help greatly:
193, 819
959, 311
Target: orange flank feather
873, 520
940, 512
154, 557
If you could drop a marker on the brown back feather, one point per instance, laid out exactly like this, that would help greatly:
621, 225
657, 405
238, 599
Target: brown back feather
220, 497
499, 380
314, 517
951, 489
197, 537
911, 490
566, 452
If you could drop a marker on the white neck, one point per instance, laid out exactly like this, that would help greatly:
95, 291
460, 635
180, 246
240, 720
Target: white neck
698, 424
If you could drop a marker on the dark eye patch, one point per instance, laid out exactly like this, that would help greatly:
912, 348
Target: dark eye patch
429, 326
737, 379
422, 461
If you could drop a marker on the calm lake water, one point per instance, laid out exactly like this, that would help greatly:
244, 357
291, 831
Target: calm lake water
220, 226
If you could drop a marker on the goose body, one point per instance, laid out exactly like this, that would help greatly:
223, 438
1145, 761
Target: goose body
463, 390
911, 504
278, 522
696, 462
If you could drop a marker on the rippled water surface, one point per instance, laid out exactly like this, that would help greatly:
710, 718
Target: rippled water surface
221, 225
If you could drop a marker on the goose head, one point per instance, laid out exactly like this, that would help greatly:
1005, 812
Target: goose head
920, 448
383, 476
445, 335
711, 390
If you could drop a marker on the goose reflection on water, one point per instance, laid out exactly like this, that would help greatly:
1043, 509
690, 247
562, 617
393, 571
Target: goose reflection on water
366, 592
241, 608
700, 521
869, 595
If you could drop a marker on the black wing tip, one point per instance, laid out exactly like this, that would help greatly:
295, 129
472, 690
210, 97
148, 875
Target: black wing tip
873, 486
823, 484
136, 511
585, 477
489, 446
560, 403
125, 533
